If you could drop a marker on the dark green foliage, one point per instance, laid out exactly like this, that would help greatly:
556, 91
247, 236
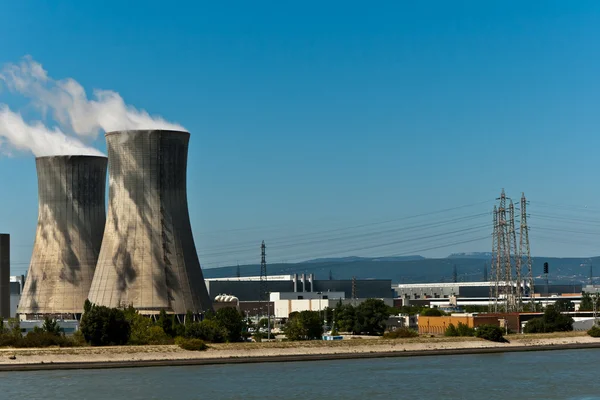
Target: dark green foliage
191, 344
432, 312
460, 330
103, 326
165, 322
476, 309
143, 329
41, 338
233, 322
345, 317
51, 326
401, 333
490, 332
87, 306
371, 317
263, 323
563, 305
552, 321
305, 325
209, 330
595, 331
451, 331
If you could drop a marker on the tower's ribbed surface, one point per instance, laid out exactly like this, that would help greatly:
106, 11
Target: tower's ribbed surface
71, 219
148, 257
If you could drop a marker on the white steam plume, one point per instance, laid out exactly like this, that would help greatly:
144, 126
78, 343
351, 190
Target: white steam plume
70, 106
38, 139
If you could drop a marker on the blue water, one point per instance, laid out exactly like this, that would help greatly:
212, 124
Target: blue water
570, 374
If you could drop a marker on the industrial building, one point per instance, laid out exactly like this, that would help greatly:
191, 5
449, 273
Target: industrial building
248, 288
472, 293
71, 217
148, 257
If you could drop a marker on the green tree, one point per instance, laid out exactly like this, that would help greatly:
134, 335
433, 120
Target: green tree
587, 302
233, 321
432, 312
51, 326
345, 317
165, 323
103, 326
371, 317
306, 325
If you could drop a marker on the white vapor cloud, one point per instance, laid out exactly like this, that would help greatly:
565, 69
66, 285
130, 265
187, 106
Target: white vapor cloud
80, 119
38, 139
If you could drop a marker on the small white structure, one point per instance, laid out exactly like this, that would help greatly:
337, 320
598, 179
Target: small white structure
287, 302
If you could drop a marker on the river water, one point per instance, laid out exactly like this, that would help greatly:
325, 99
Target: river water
569, 374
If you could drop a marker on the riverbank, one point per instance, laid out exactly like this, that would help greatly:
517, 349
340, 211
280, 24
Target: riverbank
139, 356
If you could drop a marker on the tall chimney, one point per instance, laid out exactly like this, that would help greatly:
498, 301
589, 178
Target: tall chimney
148, 257
71, 217
4, 275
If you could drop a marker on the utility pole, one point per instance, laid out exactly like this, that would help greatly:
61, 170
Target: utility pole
454, 274
485, 272
237, 271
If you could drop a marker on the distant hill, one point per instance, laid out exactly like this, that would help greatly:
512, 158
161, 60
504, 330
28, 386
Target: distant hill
479, 256
562, 270
362, 259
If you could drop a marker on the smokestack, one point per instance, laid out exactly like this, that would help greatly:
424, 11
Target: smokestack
4, 275
295, 279
71, 218
148, 257
303, 280
310, 280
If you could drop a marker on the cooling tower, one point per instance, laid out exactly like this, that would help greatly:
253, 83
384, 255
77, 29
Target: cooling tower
71, 219
148, 258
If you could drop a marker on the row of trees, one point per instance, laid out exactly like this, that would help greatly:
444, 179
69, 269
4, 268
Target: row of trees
102, 326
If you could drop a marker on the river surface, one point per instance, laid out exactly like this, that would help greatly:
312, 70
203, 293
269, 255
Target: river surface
569, 374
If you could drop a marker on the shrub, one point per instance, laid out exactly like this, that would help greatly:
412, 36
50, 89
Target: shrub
191, 344
41, 338
51, 326
595, 331
78, 338
451, 331
209, 330
464, 330
490, 332
401, 333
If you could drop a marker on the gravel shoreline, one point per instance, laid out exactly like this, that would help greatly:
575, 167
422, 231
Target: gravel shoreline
170, 355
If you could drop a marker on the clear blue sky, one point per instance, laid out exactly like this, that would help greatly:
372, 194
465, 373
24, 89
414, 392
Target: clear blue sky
314, 116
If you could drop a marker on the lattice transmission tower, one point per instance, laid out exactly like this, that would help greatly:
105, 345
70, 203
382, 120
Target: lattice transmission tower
505, 293
264, 289
525, 252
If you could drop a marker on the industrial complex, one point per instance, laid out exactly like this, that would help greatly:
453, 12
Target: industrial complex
140, 252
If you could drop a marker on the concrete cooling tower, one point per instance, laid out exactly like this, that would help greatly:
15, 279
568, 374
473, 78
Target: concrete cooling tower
71, 219
148, 257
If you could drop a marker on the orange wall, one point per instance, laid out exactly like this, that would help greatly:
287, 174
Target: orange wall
438, 325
